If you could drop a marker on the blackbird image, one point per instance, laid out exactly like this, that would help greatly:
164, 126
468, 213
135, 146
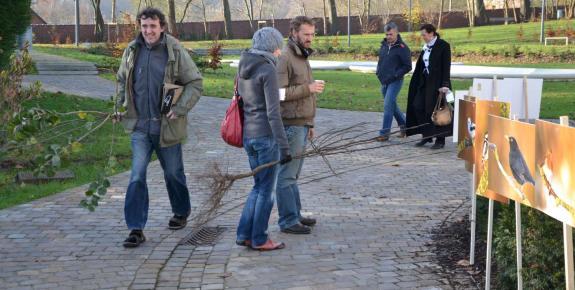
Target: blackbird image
517, 163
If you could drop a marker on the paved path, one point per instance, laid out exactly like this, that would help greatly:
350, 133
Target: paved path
373, 230
59, 74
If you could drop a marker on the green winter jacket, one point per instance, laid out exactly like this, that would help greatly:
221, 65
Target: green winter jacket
180, 70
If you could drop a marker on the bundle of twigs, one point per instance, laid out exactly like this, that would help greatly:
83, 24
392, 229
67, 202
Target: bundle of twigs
336, 141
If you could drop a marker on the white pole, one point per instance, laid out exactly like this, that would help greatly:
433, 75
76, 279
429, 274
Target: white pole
519, 247
489, 244
568, 240
472, 219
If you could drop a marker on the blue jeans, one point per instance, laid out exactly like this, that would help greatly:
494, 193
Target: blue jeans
390, 108
137, 201
253, 223
287, 191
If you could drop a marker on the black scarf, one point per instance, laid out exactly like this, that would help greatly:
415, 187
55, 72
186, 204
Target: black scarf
306, 52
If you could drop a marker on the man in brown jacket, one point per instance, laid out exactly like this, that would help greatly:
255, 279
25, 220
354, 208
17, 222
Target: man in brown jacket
298, 105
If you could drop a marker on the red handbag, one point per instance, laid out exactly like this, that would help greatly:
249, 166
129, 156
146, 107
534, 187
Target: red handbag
232, 126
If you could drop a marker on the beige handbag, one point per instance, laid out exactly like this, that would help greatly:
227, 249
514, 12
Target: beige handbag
443, 113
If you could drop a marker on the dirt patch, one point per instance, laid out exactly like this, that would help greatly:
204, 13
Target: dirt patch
451, 247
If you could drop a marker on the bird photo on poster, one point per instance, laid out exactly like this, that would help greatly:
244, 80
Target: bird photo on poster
517, 164
546, 173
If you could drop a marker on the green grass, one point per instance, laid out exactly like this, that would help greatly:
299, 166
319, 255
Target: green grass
86, 164
347, 90
101, 61
458, 37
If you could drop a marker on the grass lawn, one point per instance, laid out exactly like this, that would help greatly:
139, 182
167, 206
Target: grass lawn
86, 164
458, 37
360, 92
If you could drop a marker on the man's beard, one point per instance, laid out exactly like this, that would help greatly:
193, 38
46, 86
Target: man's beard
303, 44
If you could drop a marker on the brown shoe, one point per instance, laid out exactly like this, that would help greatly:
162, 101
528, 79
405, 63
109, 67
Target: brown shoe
270, 245
382, 139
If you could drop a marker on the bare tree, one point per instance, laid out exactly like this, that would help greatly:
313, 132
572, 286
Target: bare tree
172, 28
98, 20
480, 12
440, 14
333, 17
526, 10
227, 19
471, 12
250, 13
324, 15
570, 7
260, 10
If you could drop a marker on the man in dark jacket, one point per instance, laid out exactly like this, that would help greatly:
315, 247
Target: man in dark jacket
394, 62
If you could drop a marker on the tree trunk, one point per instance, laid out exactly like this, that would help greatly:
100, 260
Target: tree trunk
480, 13
440, 15
368, 14
333, 17
99, 20
205, 19
514, 12
571, 9
114, 11
470, 12
325, 31
249, 12
526, 10
505, 11
172, 18
227, 19
261, 10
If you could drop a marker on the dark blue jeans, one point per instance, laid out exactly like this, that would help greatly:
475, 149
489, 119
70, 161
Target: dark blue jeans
390, 107
137, 201
253, 225
287, 191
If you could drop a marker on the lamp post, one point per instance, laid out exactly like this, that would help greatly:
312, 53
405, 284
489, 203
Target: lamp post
77, 26
348, 23
542, 34
409, 21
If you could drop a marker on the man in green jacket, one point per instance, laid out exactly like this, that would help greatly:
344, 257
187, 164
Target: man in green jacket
152, 63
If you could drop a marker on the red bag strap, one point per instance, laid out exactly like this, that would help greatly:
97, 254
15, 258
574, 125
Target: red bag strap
236, 92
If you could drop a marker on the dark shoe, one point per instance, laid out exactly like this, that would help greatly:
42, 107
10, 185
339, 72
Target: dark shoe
402, 134
306, 221
178, 222
135, 238
297, 229
382, 138
423, 142
244, 243
438, 145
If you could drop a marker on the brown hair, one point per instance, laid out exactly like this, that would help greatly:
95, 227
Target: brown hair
429, 28
297, 22
152, 13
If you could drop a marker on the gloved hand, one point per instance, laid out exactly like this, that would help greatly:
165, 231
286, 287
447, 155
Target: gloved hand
287, 158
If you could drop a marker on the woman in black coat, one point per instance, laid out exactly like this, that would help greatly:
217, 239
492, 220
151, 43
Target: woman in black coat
430, 77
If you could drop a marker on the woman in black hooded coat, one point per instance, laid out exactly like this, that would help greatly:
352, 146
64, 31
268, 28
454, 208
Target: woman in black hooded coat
430, 77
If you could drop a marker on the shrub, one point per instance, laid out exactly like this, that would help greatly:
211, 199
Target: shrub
16, 18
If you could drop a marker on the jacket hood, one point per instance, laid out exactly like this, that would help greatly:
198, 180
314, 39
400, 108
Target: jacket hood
249, 62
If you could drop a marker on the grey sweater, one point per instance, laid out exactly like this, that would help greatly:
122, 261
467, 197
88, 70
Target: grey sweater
259, 89
148, 80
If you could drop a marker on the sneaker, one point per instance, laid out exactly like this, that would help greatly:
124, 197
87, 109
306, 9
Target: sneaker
135, 239
297, 229
177, 222
307, 221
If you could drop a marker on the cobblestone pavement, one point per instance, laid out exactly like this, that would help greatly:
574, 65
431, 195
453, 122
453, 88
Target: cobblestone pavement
373, 231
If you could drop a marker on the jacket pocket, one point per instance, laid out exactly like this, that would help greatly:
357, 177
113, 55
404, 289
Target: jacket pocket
174, 131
